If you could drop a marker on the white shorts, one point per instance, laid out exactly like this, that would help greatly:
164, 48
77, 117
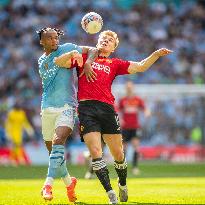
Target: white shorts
54, 117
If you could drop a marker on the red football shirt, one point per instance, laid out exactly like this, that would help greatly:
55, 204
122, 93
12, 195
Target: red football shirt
106, 69
129, 107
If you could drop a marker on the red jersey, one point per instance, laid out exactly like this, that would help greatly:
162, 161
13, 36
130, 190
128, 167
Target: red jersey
129, 107
106, 69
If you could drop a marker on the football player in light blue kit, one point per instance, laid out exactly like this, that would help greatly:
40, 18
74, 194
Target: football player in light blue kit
58, 106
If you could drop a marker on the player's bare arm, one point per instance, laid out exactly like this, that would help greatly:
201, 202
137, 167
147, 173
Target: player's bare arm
87, 69
65, 60
145, 64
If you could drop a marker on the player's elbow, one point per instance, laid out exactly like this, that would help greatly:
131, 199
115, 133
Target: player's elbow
58, 61
136, 68
61, 63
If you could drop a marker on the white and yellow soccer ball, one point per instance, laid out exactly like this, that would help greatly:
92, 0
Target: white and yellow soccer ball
92, 22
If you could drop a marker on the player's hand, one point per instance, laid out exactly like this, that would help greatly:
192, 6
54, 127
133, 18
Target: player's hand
147, 113
77, 58
162, 52
90, 74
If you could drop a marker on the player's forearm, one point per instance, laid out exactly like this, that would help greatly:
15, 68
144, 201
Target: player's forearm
65, 60
92, 53
85, 49
144, 64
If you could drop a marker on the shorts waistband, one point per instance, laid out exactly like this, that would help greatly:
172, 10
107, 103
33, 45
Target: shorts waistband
94, 102
58, 109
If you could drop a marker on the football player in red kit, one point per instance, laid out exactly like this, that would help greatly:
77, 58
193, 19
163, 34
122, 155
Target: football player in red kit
96, 112
129, 107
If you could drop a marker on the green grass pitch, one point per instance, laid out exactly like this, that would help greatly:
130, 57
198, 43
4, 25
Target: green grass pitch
159, 183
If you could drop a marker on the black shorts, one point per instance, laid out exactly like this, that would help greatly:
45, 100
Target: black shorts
96, 116
129, 134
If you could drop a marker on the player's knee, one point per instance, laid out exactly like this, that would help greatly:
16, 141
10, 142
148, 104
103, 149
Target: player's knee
59, 140
96, 152
119, 155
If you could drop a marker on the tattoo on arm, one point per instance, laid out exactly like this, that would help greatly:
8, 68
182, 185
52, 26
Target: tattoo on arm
92, 54
85, 49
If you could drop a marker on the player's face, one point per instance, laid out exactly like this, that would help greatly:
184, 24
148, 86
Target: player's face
50, 40
106, 43
129, 88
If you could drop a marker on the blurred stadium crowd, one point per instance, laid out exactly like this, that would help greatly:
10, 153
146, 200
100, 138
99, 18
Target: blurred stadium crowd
142, 26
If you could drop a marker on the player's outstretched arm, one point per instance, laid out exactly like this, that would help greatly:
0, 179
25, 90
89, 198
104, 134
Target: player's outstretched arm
65, 60
145, 64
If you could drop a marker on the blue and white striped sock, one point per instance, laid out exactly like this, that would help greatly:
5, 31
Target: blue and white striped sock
56, 159
64, 174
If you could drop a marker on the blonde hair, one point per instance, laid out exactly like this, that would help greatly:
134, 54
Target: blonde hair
112, 34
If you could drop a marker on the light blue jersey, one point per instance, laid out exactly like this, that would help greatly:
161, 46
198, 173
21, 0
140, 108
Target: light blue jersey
58, 83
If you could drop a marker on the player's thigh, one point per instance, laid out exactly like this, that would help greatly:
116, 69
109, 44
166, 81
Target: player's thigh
88, 125
88, 120
65, 122
94, 144
48, 125
111, 132
135, 139
108, 119
114, 142
110, 123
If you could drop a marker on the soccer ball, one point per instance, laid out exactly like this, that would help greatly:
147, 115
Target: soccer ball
92, 22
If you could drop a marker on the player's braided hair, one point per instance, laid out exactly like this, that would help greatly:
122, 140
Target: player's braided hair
59, 32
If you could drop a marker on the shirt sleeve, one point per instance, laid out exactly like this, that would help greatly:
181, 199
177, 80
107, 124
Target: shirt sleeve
67, 47
122, 67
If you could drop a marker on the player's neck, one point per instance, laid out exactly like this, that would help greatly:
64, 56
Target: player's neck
48, 51
104, 54
130, 95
